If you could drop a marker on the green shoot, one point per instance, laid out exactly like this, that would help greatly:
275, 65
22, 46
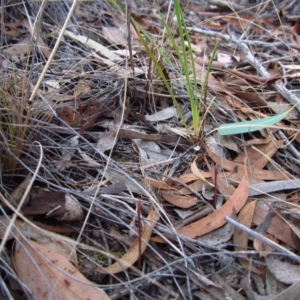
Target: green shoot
183, 51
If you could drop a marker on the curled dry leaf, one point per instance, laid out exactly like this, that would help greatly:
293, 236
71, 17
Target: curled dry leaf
196, 171
132, 255
50, 275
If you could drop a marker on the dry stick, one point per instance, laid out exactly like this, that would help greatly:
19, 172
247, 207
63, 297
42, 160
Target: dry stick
266, 241
280, 88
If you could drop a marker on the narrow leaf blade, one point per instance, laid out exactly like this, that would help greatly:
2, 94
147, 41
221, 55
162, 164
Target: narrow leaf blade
250, 126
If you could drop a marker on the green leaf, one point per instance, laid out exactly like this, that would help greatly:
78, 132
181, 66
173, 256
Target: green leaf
249, 126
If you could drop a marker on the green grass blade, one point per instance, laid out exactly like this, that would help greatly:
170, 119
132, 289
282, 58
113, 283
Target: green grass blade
158, 68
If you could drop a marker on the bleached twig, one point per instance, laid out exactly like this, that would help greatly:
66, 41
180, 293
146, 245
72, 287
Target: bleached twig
280, 88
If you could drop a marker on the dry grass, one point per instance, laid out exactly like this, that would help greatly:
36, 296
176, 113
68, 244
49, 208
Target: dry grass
60, 108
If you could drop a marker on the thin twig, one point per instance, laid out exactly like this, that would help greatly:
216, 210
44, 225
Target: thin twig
266, 241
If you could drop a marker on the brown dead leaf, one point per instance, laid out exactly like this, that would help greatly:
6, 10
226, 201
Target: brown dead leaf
12, 29
253, 99
255, 157
236, 177
254, 142
278, 226
186, 178
50, 275
132, 255
86, 120
162, 185
224, 187
261, 247
240, 237
52, 240
295, 232
196, 186
180, 201
217, 218
54, 204
268, 174
255, 172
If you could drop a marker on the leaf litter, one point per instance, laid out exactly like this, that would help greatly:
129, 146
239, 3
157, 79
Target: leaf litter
140, 202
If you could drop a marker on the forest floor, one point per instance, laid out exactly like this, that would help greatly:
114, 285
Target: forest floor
150, 150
